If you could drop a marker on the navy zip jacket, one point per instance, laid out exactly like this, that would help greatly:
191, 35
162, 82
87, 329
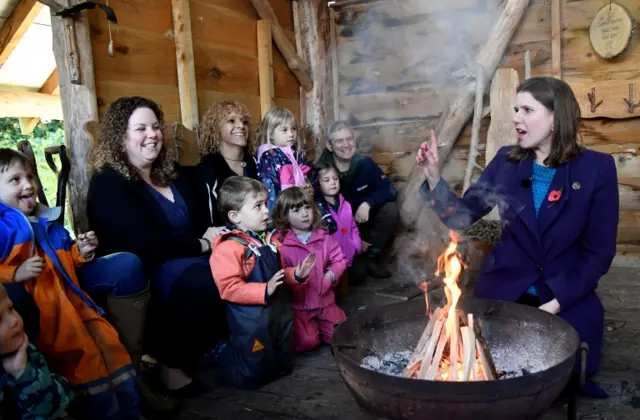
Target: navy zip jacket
366, 182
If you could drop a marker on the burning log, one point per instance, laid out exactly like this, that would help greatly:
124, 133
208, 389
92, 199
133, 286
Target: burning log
451, 346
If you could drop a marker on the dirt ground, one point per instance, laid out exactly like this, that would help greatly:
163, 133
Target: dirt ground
315, 390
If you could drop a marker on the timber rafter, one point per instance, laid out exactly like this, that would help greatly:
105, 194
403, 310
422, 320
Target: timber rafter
16, 25
298, 67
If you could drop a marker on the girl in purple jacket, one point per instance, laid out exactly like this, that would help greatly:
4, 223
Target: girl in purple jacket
299, 224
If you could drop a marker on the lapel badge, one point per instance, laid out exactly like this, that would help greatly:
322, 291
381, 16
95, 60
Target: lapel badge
575, 185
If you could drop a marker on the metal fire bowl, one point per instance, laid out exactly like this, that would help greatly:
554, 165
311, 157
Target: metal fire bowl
512, 331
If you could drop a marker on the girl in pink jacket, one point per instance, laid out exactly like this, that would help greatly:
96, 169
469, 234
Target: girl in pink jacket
347, 233
299, 224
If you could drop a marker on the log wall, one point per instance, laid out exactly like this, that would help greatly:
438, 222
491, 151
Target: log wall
225, 54
397, 72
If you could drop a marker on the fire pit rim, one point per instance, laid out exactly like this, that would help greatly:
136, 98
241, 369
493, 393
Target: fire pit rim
340, 350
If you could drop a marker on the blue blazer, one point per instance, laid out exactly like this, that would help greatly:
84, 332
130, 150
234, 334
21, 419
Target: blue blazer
564, 251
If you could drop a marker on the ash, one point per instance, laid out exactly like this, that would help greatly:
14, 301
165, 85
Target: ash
390, 364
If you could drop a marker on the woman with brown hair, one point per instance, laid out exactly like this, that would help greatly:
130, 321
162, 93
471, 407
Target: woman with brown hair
559, 206
227, 148
140, 201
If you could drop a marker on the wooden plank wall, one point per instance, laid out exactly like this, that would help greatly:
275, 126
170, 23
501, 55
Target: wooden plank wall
225, 55
397, 69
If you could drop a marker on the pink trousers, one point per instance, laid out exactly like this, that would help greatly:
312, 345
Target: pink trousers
313, 326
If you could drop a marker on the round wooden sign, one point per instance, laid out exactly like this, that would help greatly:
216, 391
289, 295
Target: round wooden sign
611, 31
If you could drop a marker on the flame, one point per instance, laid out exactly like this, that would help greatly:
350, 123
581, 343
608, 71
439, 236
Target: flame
450, 262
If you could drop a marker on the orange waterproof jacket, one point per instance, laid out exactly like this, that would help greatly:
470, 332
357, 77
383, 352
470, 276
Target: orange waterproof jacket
230, 266
76, 340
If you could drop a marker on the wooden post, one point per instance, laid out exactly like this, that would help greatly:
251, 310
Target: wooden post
456, 116
556, 39
265, 66
335, 74
315, 38
184, 58
79, 105
527, 64
297, 65
296, 30
475, 130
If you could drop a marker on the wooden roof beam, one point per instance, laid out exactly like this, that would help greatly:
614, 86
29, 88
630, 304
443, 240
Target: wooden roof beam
50, 87
297, 65
18, 104
16, 25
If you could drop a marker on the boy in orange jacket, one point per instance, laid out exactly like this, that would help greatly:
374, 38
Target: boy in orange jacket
38, 253
247, 267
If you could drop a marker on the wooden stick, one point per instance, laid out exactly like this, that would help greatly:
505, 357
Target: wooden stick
422, 343
467, 358
470, 349
437, 358
433, 342
484, 355
454, 350
527, 64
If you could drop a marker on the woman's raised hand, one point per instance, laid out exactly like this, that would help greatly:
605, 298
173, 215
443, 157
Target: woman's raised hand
429, 161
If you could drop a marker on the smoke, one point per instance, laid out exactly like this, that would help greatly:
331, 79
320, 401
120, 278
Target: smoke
402, 62
416, 250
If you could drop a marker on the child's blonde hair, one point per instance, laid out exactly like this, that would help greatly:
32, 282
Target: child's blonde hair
293, 198
274, 118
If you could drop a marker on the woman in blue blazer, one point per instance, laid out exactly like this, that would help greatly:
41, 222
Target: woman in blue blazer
559, 205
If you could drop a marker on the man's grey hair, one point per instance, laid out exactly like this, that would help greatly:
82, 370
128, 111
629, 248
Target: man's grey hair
337, 126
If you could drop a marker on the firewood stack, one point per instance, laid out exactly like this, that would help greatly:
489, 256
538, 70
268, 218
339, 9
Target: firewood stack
451, 348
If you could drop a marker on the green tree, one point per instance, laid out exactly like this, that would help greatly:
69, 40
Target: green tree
45, 134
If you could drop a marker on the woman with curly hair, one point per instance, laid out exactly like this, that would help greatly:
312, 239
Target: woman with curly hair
227, 148
142, 202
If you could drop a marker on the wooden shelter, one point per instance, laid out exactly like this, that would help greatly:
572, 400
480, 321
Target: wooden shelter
393, 68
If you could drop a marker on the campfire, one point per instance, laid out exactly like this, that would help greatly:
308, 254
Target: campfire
451, 347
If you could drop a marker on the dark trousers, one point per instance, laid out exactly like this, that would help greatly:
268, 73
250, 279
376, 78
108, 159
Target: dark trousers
182, 326
380, 228
379, 232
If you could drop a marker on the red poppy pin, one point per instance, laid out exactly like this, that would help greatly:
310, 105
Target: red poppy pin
554, 196
344, 230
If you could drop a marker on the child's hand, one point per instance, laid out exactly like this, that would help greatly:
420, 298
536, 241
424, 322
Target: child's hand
330, 277
275, 281
87, 244
364, 246
29, 269
304, 268
17, 362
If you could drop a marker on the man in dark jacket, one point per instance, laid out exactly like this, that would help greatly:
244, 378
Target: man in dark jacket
370, 193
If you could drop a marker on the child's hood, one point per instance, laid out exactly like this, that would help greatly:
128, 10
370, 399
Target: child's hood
42, 212
263, 148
